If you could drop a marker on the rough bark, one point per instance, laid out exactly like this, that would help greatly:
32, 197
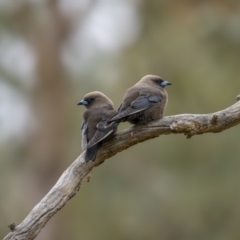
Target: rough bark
70, 181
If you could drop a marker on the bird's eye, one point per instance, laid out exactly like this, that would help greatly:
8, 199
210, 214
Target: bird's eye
159, 81
91, 99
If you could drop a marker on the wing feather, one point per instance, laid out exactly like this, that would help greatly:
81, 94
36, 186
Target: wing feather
103, 131
141, 103
84, 134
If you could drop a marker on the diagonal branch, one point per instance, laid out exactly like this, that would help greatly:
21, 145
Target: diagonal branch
70, 181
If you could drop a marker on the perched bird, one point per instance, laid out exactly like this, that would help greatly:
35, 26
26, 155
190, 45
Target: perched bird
95, 127
144, 102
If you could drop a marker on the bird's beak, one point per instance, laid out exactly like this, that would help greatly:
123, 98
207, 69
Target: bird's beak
83, 102
165, 83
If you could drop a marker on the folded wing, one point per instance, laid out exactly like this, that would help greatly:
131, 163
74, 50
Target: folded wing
104, 129
141, 103
84, 135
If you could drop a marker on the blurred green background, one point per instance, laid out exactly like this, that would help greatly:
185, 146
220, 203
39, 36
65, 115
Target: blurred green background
53, 52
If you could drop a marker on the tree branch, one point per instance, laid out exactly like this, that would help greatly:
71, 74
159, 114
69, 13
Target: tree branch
70, 181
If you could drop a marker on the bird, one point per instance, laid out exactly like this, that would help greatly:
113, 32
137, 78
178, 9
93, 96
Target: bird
95, 127
144, 102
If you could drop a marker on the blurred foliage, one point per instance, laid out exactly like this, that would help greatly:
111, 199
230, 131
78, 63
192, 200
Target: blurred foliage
166, 188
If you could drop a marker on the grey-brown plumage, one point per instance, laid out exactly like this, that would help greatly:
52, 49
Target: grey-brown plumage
144, 102
95, 127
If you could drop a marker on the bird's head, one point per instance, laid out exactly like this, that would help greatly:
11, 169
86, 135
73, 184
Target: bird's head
155, 81
95, 99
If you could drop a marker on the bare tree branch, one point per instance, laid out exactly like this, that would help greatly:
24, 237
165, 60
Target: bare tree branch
70, 181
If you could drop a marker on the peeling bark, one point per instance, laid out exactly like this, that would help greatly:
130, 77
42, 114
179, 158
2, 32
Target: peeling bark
70, 181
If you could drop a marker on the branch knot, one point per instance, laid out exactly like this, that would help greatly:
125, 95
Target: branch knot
214, 119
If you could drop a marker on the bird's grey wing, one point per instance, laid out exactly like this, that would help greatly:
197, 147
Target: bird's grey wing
145, 101
84, 134
104, 129
119, 109
141, 103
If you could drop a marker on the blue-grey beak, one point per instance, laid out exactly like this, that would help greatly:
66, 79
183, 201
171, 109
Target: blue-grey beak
83, 102
165, 83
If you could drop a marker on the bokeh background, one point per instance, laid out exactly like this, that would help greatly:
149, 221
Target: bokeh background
53, 52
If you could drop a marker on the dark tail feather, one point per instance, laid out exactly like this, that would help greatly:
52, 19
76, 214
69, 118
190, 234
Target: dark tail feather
117, 120
91, 152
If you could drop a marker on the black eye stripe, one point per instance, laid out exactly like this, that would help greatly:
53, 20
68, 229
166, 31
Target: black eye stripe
158, 80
